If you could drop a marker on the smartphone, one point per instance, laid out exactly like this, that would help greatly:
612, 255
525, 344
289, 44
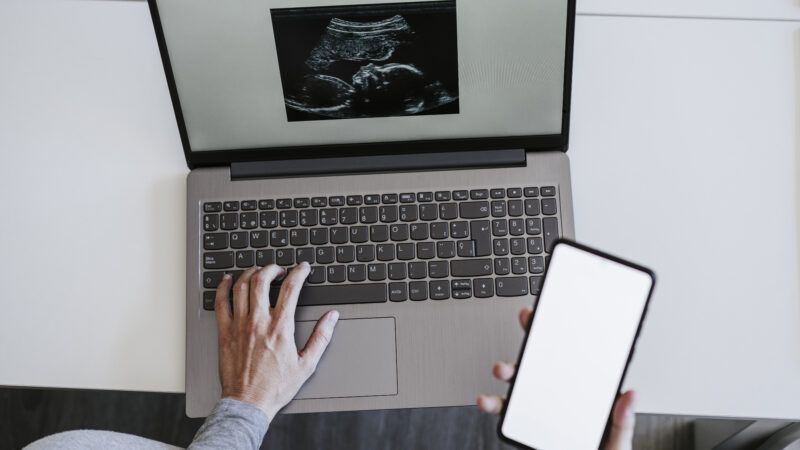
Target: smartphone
577, 349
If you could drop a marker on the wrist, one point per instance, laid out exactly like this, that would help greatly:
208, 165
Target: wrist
256, 399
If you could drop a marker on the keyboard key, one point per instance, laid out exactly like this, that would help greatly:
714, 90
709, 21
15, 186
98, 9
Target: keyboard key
385, 252
211, 222
397, 271
440, 290
356, 272
359, 234
424, 197
460, 195
249, 205
461, 284
355, 200
501, 247
305, 254
408, 197
459, 230
405, 251
516, 227
398, 232
212, 207
298, 238
266, 204
418, 290
514, 192
372, 199
212, 279
502, 266
265, 257
215, 241
446, 249
218, 260
465, 248
518, 265
408, 213
376, 272
258, 239
245, 258
339, 235
480, 232
511, 286
419, 231
239, 239
230, 206
462, 293
368, 214
515, 208
365, 253
309, 217
248, 220
518, 246
317, 275
379, 233
428, 212
535, 245
442, 196
536, 285
531, 192
438, 269
548, 191
471, 267
497, 193
279, 238
398, 292
319, 202
325, 255
474, 210
551, 233
388, 214
319, 236
338, 295
532, 206
389, 198
549, 206
479, 194
337, 200
209, 299
498, 208
284, 203
533, 225
345, 254
328, 216
448, 211
417, 270
348, 216
439, 230
284, 256
229, 221
426, 250
483, 287
536, 264
500, 227
337, 274
268, 219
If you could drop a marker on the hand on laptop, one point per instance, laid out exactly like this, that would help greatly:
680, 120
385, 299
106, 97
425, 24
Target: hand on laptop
621, 437
258, 360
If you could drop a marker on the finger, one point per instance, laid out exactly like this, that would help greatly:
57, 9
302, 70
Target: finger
319, 340
504, 371
241, 295
290, 291
491, 404
623, 421
525, 317
259, 291
222, 307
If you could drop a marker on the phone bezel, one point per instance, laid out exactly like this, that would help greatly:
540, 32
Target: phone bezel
610, 257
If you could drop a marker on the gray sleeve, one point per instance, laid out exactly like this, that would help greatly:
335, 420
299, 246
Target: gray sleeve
232, 424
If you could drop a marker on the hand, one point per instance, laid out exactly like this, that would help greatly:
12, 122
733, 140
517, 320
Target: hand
621, 435
258, 360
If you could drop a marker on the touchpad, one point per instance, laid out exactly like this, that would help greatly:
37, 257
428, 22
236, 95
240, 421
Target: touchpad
361, 359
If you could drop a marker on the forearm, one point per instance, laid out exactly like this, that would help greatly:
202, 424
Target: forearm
232, 424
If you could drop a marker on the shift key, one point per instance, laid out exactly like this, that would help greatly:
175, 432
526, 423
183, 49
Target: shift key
470, 267
218, 260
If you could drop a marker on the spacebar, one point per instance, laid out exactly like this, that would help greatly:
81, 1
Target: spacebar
337, 295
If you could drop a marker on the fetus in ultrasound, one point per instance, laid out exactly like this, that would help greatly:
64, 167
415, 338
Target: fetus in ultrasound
374, 68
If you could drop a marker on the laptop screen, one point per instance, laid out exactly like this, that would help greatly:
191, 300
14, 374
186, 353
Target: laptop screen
265, 74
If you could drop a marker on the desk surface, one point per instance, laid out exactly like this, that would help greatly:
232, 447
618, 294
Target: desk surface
684, 156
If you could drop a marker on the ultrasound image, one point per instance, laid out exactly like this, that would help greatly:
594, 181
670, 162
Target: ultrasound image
389, 59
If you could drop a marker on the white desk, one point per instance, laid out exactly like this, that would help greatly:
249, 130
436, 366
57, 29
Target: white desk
684, 152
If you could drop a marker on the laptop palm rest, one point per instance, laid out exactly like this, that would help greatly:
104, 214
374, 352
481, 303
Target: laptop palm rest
361, 359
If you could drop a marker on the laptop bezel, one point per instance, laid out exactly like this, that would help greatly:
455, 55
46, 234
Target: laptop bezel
225, 157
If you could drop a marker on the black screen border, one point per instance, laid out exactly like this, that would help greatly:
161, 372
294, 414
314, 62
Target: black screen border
204, 158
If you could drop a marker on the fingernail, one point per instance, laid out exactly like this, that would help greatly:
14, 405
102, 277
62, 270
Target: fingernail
334, 317
227, 276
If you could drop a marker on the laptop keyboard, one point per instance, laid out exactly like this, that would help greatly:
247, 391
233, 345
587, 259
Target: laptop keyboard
388, 247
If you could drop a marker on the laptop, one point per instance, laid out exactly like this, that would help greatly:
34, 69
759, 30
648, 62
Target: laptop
412, 152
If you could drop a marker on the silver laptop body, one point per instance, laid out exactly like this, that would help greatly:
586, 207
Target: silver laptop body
439, 242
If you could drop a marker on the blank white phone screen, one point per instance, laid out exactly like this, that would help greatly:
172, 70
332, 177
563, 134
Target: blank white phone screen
585, 324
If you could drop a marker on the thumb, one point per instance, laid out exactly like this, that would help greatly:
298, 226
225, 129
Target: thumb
621, 436
319, 339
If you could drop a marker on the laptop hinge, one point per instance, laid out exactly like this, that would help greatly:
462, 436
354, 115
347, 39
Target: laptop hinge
377, 163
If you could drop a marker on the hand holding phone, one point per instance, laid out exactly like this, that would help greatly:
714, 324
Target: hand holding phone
574, 359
